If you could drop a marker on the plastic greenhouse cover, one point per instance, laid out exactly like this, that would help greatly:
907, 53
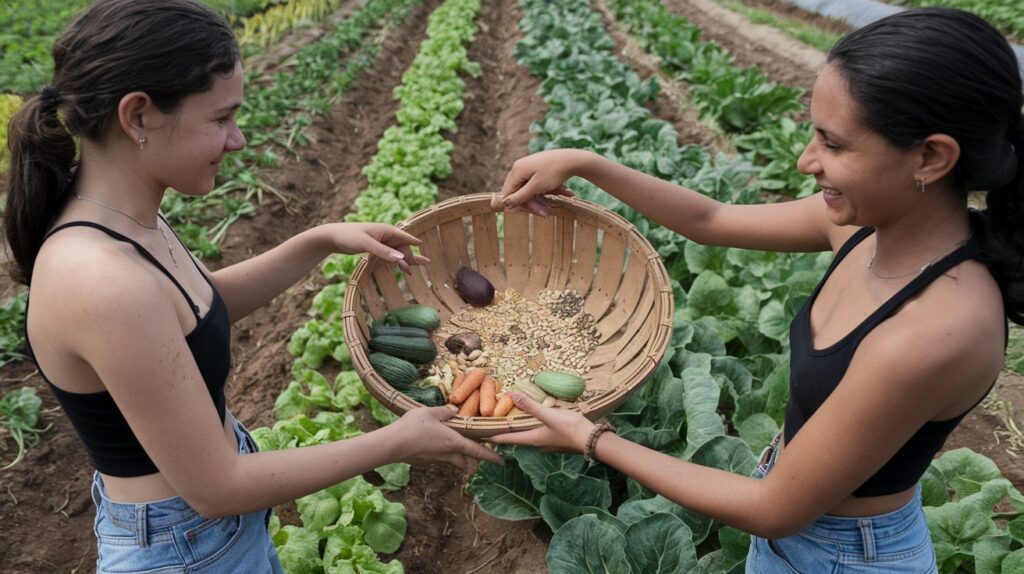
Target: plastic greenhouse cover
859, 13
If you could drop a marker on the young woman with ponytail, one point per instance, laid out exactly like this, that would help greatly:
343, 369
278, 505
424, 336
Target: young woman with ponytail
906, 332
131, 332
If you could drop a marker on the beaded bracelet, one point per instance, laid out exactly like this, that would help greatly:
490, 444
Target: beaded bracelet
588, 450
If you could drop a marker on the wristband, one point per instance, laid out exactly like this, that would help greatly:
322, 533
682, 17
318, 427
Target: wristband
588, 450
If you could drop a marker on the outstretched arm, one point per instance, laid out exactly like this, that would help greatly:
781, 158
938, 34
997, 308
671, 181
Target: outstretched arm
911, 370
251, 284
788, 226
131, 337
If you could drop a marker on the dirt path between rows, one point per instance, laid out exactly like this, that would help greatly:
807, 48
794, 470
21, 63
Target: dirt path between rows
48, 492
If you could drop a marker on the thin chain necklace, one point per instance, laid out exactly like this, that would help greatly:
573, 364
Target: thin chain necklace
927, 264
157, 227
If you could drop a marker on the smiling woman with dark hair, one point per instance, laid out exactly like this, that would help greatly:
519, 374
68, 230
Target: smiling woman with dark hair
130, 331
906, 332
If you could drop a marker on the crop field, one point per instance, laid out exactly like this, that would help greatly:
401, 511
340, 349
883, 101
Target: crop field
372, 110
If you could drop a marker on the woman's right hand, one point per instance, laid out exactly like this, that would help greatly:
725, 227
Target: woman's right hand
532, 177
424, 440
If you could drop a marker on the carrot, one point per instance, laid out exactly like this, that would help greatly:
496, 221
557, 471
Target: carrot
471, 406
516, 411
458, 381
487, 397
471, 383
504, 405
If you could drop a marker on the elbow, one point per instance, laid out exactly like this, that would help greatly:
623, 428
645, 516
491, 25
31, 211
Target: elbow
212, 501
209, 507
777, 527
775, 517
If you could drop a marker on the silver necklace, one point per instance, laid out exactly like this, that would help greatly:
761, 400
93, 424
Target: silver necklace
157, 227
927, 264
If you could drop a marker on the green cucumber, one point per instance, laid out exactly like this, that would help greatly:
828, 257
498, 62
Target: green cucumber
398, 373
416, 350
419, 316
379, 329
565, 386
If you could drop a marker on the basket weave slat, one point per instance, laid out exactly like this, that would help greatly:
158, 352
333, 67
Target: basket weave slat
388, 287
608, 278
625, 301
487, 250
456, 248
584, 256
636, 345
517, 250
562, 266
441, 280
371, 297
580, 246
542, 242
610, 348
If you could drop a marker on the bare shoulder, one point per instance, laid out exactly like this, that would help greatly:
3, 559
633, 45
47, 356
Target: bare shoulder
85, 279
948, 341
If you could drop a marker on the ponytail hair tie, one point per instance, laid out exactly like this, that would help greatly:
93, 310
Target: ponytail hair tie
50, 97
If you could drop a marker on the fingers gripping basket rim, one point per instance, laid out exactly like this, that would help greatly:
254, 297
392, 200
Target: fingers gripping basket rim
623, 279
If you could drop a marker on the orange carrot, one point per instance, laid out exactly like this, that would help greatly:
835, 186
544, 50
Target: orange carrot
504, 405
487, 397
458, 381
471, 406
471, 383
516, 411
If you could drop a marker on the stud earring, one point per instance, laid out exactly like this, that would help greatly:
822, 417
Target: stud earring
142, 142
920, 184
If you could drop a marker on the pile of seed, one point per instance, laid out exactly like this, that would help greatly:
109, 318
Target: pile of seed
522, 337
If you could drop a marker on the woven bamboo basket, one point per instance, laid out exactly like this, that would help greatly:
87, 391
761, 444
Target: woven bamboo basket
580, 246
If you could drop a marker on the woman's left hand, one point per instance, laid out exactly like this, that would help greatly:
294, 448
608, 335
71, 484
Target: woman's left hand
563, 430
378, 239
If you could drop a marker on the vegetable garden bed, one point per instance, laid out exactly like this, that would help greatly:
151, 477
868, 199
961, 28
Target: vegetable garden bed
447, 531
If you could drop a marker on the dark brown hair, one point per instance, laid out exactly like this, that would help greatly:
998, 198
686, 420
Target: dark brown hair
168, 49
945, 71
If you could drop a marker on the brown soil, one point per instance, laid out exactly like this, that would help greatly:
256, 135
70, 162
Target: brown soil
783, 59
49, 491
797, 13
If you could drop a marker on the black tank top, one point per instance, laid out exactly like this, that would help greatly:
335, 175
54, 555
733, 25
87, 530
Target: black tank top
815, 373
110, 442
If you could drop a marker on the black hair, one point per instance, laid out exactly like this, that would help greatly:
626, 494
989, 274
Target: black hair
168, 49
945, 71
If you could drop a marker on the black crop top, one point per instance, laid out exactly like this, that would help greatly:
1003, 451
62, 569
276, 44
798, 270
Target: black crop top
110, 442
815, 373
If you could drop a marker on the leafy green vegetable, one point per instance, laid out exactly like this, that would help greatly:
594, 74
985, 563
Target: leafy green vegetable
19, 414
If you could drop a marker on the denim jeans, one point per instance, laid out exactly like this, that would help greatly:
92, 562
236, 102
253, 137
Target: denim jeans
892, 543
169, 537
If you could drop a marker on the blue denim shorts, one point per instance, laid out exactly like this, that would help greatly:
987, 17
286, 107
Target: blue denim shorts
893, 543
169, 537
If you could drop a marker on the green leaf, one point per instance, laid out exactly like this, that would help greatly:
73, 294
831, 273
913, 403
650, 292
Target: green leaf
299, 550
385, 528
660, 544
989, 552
538, 465
727, 453
701, 401
556, 512
587, 545
504, 491
395, 475
636, 510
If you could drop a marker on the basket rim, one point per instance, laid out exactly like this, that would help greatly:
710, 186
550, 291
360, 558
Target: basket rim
600, 404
